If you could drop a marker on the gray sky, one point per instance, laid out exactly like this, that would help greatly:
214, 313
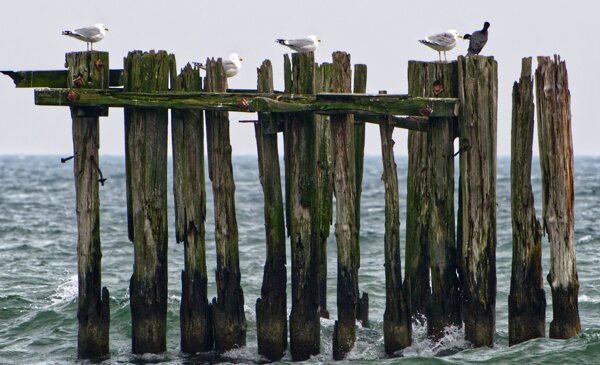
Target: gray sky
381, 34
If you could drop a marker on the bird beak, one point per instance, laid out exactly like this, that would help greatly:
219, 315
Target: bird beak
319, 40
460, 36
105, 28
241, 59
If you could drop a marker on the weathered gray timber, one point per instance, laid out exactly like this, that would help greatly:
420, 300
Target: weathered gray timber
441, 80
478, 93
527, 300
229, 320
56, 78
187, 131
271, 307
397, 327
324, 182
556, 159
89, 69
360, 87
146, 164
300, 152
346, 233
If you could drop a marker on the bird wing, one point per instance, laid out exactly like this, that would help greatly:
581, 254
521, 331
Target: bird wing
87, 32
299, 42
477, 41
442, 39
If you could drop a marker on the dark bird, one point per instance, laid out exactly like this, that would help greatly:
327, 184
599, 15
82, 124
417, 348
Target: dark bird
477, 40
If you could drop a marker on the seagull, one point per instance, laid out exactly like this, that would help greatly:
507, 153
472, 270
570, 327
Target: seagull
89, 35
308, 44
477, 40
232, 66
442, 42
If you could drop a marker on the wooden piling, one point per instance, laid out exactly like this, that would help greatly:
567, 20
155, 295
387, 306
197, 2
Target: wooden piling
271, 307
360, 87
437, 79
146, 163
300, 159
229, 320
527, 300
324, 183
556, 159
190, 212
397, 327
478, 92
344, 187
89, 70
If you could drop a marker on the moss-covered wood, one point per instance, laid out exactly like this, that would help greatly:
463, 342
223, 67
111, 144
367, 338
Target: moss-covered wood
146, 163
478, 92
93, 312
556, 159
397, 327
527, 300
187, 132
271, 307
301, 160
324, 211
229, 320
346, 232
251, 102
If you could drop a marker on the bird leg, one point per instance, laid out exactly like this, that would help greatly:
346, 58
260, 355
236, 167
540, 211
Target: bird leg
440, 55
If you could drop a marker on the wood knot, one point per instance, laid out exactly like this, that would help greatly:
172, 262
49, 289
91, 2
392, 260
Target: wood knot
66, 64
78, 81
426, 111
437, 88
99, 65
72, 96
243, 104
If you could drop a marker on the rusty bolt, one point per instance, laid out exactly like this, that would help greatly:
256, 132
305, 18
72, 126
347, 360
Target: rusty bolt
437, 88
99, 64
426, 111
78, 81
243, 104
72, 96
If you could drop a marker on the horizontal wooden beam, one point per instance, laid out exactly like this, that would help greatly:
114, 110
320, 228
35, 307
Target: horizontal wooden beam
53, 78
254, 102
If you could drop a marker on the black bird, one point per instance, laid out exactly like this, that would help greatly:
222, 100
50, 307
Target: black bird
477, 40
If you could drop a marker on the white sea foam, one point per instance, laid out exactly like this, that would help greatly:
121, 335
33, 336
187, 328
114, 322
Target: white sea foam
66, 290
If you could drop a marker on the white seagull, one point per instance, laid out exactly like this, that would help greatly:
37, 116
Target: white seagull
308, 44
89, 35
232, 66
442, 42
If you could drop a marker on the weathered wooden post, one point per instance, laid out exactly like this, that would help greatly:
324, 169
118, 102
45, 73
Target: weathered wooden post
478, 93
556, 159
346, 233
436, 79
146, 163
300, 159
324, 183
271, 307
360, 87
229, 319
88, 70
397, 327
527, 300
190, 212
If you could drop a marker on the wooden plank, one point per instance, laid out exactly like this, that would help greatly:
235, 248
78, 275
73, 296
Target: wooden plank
93, 311
527, 299
229, 319
478, 92
146, 163
271, 307
252, 102
53, 78
556, 159
187, 131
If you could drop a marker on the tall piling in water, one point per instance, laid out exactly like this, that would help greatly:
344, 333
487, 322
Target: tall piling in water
300, 159
146, 164
229, 319
271, 307
478, 93
556, 159
397, 326
346, 233
187, 132
435, 79
88, 70
527, 300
